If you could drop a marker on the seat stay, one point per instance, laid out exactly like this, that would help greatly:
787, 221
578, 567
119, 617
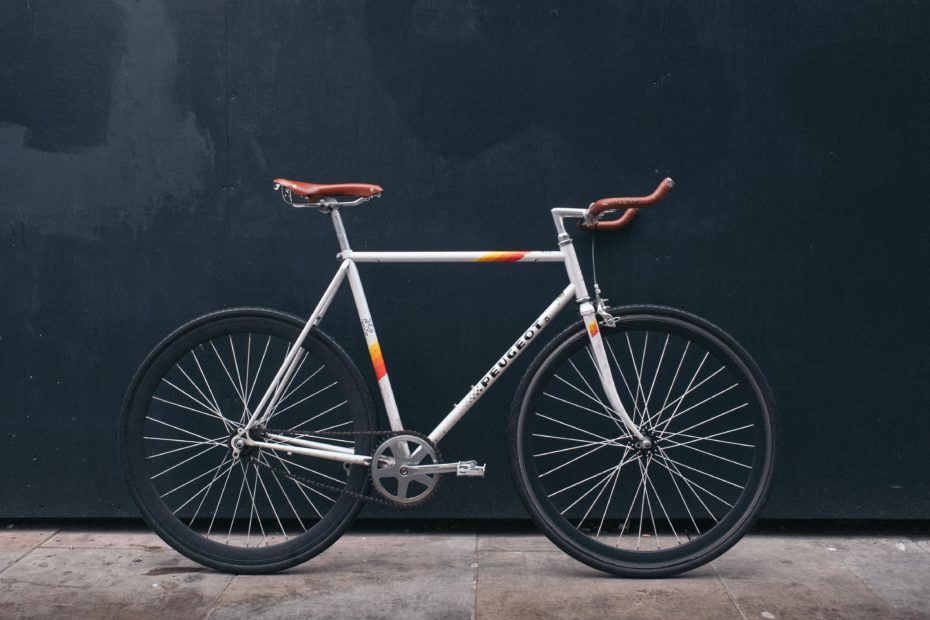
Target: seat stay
265, 406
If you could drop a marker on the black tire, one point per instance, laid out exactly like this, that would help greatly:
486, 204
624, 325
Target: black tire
698, 500
175, 452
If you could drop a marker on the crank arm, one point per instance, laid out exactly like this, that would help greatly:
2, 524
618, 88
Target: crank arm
462, 468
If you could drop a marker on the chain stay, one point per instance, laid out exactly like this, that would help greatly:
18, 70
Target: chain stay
335, 489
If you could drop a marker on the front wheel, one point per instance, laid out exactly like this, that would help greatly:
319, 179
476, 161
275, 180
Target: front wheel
262, 510
629, 510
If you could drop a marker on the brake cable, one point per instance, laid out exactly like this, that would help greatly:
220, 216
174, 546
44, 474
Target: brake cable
600, 303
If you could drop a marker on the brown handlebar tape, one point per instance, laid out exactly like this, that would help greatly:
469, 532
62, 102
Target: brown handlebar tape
631, 204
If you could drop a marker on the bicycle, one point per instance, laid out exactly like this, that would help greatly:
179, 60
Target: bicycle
641, 439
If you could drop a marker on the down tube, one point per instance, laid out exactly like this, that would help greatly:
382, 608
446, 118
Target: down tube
478, 390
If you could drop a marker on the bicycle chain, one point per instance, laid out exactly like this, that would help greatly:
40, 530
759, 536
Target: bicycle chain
328, 487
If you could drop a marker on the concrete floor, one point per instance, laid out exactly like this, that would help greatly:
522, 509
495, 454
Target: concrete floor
78, 573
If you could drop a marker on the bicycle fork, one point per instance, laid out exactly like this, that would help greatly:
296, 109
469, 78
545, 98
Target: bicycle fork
589, 318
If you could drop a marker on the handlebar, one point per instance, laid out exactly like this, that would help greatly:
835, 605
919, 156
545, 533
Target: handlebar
631, 204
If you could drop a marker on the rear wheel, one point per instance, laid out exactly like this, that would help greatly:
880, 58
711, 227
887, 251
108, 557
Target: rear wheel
604, 499
192, 394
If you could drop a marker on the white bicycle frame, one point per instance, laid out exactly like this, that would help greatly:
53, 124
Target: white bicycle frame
348, 258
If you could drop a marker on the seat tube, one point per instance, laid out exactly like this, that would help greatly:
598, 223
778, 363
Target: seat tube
589, 318
374, 348
368, 326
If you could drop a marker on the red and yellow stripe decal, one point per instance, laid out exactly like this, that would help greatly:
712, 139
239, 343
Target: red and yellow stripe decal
500, 257
592, 328
377, 360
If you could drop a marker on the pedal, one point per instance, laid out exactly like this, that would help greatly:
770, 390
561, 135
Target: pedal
470, 468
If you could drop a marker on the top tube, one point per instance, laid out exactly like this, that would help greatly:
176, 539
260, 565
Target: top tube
504, 256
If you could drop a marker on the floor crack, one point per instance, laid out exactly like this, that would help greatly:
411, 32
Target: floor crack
220, 597
729, 593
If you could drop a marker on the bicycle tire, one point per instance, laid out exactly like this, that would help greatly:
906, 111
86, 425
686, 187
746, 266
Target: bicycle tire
165, 446
713, 491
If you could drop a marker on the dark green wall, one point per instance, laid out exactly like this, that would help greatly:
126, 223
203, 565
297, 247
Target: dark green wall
138, 141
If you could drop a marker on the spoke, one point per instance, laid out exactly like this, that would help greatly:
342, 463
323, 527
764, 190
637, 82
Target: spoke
655, 376
182, 448
613, 487
291, 406
216, 403
630, 511
676, 413
700, 471
220, 500
287, 498
652, 519
310, 469
297, 364
248, 487
639, 375
681, 398
604, 486
291, 392
577, 458
696, 438
642, 504
664, 511
207, 406
301, 486
593, 396
210, 404
204, 489
181, 486
178, 428
602, 482
270, 503
253, 489
318, 415
703, 422
675, 444
582, 444
329, 428
573, 427
248, 361
582, 481
232, 521
180, 406
610, 350
671, 387
190, 444
231, 380
568, 402
258, 372
684, 502
236, 366
207, 492
587, 442
692, 485
587, 395
190, 458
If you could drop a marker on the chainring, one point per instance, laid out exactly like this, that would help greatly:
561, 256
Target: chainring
390, 468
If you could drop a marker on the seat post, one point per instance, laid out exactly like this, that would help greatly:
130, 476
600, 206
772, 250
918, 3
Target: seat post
340, 230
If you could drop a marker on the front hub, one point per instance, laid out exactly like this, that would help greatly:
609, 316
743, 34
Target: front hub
645, 446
